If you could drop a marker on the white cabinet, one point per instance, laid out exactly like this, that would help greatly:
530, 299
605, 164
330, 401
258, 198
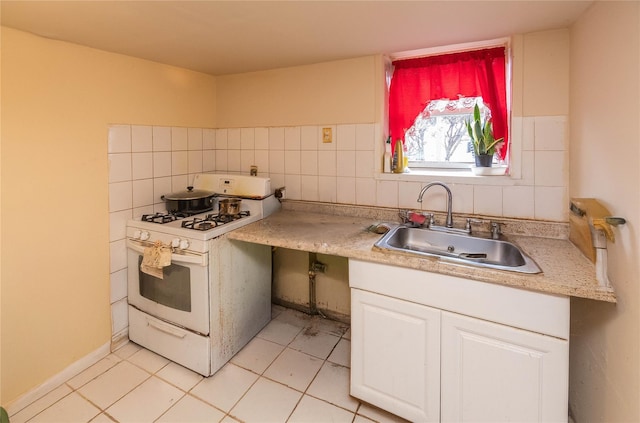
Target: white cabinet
395, 347
430, 347
494, 373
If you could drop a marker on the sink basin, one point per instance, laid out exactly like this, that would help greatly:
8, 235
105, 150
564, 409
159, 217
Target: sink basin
460, 248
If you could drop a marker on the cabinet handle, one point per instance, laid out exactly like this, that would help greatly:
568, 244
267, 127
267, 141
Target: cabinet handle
167, 329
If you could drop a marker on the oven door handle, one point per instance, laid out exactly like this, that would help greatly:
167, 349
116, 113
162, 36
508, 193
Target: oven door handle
186, 257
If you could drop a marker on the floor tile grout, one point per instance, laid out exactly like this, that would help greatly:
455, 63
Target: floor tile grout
285, 316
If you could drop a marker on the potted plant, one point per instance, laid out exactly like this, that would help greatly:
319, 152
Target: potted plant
484, 144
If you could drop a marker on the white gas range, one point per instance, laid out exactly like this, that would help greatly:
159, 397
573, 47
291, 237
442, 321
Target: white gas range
216, 293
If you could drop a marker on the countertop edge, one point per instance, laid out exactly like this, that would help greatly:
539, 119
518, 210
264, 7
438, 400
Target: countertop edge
565, 270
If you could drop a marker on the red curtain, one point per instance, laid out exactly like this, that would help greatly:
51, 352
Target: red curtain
416, 82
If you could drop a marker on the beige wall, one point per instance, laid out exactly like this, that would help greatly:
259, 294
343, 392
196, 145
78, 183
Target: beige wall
605, 152
57, 101
332, 92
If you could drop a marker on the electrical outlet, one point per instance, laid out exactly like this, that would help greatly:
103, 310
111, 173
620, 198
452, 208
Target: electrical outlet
327, 135
253, 170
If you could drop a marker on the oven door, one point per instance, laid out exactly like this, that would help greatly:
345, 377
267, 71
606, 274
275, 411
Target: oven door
181, 297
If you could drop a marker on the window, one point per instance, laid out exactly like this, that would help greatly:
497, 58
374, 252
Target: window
430, 98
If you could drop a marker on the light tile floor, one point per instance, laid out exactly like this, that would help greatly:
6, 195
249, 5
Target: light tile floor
295, 370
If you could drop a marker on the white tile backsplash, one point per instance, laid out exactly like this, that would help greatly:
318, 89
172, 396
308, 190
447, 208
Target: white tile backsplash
346, 163
261, 160
408, 195
142, 192
346, 190
261, 138
276, 138
292, 138
179, 162
276, 161
309, 187
194, 161
365, 137
179, 139
365, 191
119, 167
551, 203
161, 186
194, 139
247, 139
346, 137
120, 196
247, 159
365, 161
327, 189
292, 162
462, 198
118, 254
293, 184
221, 139
118, 281
208, 139
387, 193
551, 133
161, 164
119, 139
487, 200
141, 138
550, 168
309, 138
327, 163
146, 162
234, 138
208, 160
117, 224
161, 138
518, 202
309, 162
142, 165
221, 160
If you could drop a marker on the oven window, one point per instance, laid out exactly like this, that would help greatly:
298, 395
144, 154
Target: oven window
173, 291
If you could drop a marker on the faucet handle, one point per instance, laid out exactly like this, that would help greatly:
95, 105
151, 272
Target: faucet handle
496, 229
472, 221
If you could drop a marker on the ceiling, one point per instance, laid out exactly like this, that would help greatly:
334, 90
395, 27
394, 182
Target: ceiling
226, 37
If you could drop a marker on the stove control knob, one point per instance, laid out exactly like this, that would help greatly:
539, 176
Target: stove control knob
144, 236
184, 244
137, 234
175, 242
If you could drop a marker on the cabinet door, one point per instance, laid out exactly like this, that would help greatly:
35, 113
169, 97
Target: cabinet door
395, 355
496, 373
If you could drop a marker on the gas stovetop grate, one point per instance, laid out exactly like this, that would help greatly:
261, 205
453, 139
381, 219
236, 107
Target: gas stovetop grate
211, 221
164, 217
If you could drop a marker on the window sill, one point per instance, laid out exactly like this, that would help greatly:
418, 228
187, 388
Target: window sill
463, 176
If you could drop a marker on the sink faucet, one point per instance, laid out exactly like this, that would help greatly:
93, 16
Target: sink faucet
449, 223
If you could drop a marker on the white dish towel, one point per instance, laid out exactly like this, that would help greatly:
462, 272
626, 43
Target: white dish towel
155, 259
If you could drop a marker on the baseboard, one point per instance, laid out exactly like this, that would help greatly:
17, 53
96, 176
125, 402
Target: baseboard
57, 380
119, 339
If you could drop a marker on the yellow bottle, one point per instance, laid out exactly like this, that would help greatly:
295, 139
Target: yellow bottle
398, 158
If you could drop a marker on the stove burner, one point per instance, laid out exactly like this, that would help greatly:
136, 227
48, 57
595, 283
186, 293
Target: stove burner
161, 217
212, 220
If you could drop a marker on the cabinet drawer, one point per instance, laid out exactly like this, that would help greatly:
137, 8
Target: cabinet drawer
191, 350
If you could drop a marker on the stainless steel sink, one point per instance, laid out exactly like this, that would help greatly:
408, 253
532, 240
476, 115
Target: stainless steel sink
460, 248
